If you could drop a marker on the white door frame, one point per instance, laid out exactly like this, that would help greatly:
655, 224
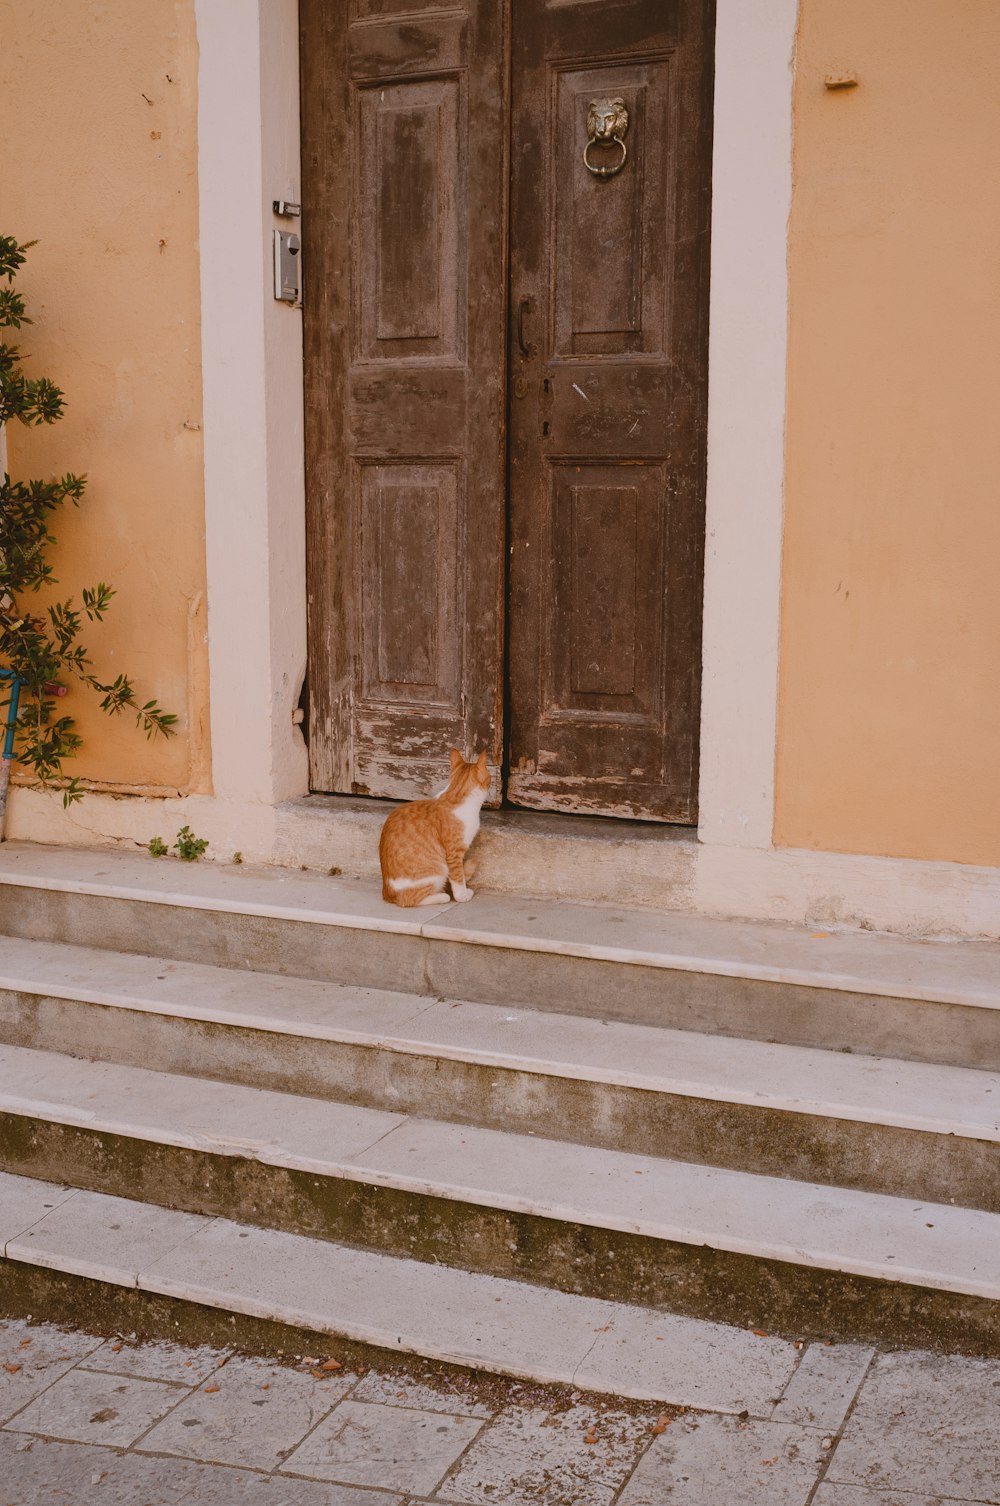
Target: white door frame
252, 358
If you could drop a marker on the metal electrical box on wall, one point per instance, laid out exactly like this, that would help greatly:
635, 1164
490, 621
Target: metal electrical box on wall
287, 261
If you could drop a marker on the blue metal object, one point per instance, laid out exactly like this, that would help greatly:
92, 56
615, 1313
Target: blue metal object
15, 695
6, 762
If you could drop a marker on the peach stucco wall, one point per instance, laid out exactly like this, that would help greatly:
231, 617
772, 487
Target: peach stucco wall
100, 159
889, 715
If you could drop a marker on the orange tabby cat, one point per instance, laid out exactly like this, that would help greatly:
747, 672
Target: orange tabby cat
423, 843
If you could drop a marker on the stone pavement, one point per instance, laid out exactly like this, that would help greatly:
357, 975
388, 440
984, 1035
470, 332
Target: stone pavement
86, 1421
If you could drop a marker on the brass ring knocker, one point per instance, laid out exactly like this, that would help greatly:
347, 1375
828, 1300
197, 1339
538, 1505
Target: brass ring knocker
607, 123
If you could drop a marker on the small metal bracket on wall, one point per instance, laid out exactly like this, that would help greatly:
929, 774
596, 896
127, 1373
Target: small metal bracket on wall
287, 254
287, 281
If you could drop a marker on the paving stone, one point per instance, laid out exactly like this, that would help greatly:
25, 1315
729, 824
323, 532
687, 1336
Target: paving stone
256, 1416
710, 1460
397, 1447
41, 1355
927, 1424
824, 1385
219, 1485
88, 1407
859, 1495
37, 1472
527, 1457
166, 1362
400, 1391
687, 1362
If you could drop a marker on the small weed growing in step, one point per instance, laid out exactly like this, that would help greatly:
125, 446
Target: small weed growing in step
189, 847
237, 857
158, 848
333, 872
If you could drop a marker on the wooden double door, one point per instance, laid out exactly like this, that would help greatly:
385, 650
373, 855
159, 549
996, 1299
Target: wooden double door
505, 230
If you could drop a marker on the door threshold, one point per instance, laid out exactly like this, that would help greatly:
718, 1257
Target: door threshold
589, 828
514, 819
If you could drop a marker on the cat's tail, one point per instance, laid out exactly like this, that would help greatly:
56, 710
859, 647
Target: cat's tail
424, 894
407, 892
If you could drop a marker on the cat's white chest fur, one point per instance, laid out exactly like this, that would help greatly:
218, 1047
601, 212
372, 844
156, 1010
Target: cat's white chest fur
467, 813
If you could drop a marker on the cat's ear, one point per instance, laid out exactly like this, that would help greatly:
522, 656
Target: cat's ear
456, 759
481, 762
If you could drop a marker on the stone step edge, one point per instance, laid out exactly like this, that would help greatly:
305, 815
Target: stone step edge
756, 1056
440, 1313
447, 928
894, 1218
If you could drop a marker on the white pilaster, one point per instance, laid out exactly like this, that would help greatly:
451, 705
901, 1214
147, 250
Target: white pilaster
248, 155
751, 197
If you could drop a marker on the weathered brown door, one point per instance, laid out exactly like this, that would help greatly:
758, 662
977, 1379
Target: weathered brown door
404, 199
408, 106
608, 286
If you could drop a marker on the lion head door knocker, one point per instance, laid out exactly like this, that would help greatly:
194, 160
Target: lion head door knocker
607, 123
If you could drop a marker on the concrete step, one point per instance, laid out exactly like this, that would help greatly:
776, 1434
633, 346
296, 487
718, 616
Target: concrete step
504, 1327
704, 1241
912, 1000
909, 1129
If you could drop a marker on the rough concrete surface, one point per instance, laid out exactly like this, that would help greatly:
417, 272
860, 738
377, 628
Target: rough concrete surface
113, 1422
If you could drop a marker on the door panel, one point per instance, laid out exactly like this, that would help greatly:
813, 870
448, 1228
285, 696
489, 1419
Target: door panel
410, 575
604, 658
404, 147
607, 416
411, 294
608, 298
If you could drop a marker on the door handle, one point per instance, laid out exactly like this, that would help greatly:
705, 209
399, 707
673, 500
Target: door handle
524, 307
607, 123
